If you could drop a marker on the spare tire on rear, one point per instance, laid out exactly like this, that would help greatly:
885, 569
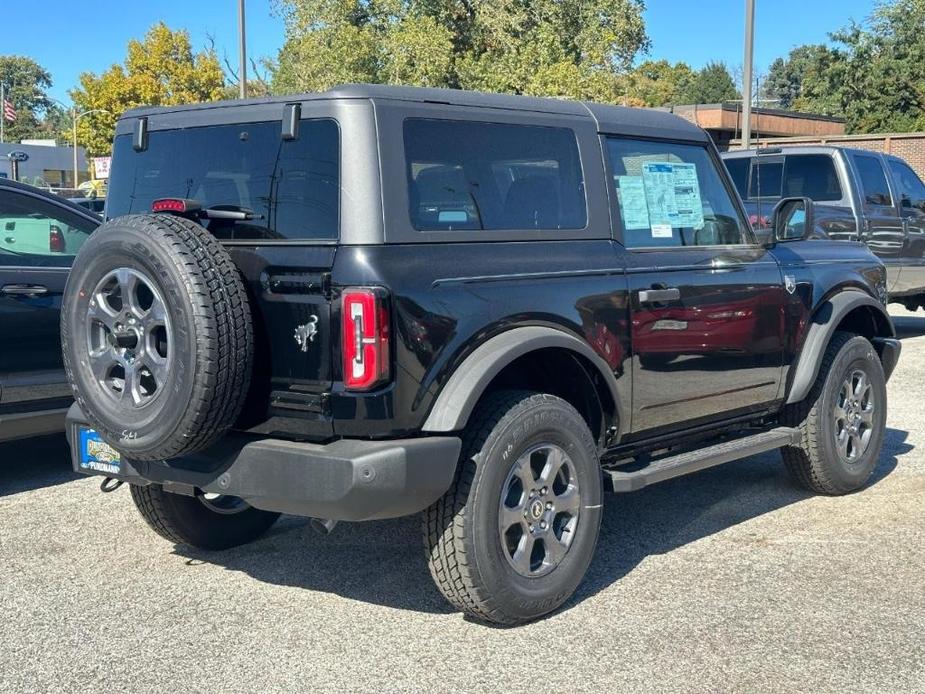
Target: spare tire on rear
157, 337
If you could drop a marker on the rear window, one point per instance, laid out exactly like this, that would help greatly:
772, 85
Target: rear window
292, 186
738, 169
796, 175
466, 175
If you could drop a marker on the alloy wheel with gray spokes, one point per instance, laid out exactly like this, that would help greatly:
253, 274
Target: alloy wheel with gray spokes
539, 511
128, 331
855, 407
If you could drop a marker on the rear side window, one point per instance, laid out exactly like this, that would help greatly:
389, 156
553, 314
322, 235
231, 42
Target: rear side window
874, 187
812, 176
292, 186
672, 194
465, 175
36, 233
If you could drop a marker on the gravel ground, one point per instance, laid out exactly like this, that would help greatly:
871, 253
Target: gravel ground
728, 580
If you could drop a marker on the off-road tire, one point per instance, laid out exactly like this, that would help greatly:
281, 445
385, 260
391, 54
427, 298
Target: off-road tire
461, 537
211, 333
815, 463
185, 520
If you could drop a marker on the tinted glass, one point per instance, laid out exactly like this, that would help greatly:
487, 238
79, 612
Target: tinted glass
911, 188
766, 179
812, 176
738, 169
672, 195
290, 185
874, 187
37, 233
471, 175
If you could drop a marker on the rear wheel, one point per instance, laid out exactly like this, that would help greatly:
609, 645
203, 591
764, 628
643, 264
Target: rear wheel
514, 535
205, 521
842, 420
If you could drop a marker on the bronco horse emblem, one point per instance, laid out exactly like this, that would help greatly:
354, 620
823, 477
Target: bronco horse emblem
306, 333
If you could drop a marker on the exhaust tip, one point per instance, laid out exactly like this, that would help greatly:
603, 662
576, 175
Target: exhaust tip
323, 526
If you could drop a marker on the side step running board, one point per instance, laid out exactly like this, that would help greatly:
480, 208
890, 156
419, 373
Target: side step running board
701, 459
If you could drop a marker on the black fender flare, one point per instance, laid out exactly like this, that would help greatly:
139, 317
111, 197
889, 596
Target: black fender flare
462, 391
822, 326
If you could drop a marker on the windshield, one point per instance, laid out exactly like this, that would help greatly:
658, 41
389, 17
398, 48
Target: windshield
292, 186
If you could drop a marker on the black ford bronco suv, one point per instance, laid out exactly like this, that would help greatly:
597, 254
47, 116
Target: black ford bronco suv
378, 301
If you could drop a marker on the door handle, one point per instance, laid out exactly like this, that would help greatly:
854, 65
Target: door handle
659, 296
24, 289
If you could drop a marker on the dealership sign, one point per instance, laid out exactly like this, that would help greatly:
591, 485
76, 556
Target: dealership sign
101, 167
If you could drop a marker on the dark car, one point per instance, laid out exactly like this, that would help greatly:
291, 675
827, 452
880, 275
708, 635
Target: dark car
40, 234
96, 205
859, 195
379, 301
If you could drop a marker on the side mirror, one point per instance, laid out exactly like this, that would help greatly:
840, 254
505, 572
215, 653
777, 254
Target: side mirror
792, 219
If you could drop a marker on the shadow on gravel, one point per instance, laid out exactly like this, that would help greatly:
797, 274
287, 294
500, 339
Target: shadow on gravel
909, 326
34, 463
383, 562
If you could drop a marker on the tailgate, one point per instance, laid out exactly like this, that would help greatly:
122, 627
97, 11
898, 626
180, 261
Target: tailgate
292, 326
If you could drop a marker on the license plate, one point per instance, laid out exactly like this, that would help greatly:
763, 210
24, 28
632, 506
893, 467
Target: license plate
97, 455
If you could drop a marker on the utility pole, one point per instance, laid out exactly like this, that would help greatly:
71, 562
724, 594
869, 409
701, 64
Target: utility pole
747, 76
74, 120
2, 110
242, 49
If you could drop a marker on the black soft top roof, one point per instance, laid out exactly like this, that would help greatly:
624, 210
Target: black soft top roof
616, 119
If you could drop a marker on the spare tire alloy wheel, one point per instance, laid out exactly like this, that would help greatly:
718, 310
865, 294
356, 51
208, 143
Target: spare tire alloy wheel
128, 331
156, 336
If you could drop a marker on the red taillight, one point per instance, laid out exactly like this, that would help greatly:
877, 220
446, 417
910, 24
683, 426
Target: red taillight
179, 205
365, 338
55, 240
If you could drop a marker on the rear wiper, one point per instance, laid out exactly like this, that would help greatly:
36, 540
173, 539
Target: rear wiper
235, 212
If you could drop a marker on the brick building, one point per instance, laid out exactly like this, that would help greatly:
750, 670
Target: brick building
724, 122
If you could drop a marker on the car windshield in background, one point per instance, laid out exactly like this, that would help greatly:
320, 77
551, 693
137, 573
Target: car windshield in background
472, 175
292, 186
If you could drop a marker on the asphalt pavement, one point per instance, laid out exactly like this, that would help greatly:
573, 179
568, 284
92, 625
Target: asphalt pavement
731, 580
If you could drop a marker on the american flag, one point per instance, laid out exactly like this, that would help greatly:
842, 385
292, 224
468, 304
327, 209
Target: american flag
9, 113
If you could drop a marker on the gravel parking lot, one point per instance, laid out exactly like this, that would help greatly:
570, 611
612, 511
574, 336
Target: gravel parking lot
729, 580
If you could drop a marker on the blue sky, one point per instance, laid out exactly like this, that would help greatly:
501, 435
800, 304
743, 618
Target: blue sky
70, 38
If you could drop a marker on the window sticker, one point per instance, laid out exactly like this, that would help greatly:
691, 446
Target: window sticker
633, 204
673, 194
687, 196
658, 178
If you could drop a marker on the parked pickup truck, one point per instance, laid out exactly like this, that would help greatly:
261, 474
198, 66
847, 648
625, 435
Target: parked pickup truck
379, 301
859, 195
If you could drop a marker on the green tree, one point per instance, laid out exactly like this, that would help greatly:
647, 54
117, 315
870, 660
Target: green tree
659, 83
873, 75
713, 84
574, 48
26, 85
160, 70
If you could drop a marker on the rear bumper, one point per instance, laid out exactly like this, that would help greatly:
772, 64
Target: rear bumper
345, 480
889, 350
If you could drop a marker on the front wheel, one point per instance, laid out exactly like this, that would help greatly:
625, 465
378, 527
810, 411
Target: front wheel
205, 521
842, 420
513, 537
